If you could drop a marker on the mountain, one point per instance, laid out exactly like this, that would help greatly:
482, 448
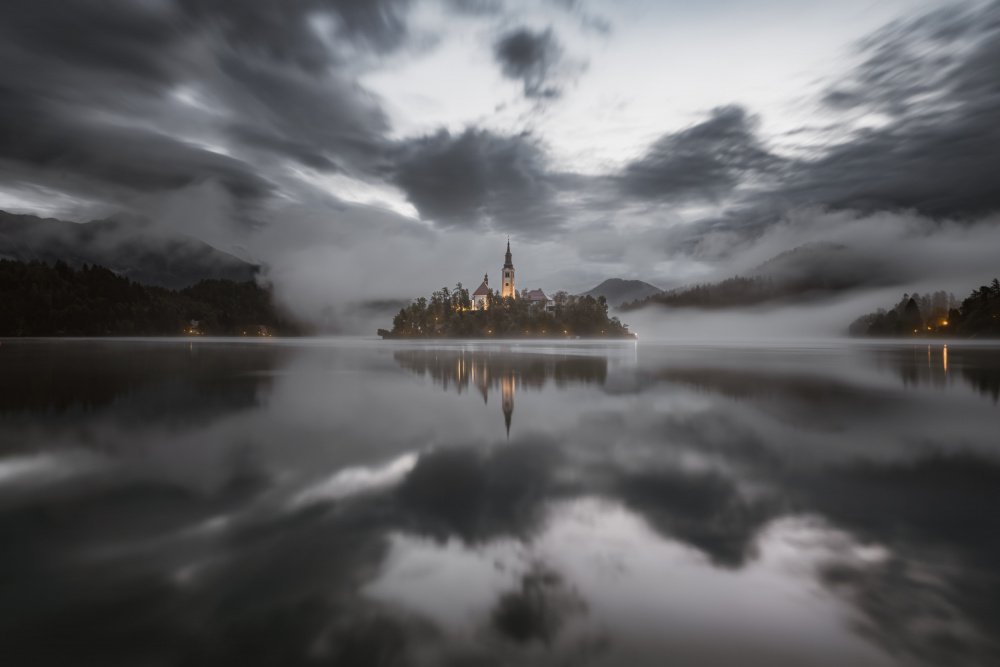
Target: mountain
130, 248
807, 272
618, 291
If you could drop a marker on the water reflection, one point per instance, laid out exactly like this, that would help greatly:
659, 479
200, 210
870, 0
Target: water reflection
486, 370
702, 506
86, 376
928, 365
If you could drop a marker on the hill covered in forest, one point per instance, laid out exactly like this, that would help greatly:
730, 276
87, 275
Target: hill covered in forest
130, 247
807, 272
618, 291
41, 300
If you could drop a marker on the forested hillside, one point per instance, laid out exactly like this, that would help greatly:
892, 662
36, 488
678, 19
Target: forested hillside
41, 300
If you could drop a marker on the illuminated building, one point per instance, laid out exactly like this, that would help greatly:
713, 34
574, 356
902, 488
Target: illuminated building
479, 296
508, 275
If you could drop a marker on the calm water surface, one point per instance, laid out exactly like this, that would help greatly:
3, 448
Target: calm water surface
371, 503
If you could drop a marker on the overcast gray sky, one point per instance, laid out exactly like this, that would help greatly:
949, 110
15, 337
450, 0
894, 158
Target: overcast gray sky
372, 150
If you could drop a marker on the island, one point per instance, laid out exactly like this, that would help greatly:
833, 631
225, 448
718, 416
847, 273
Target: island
487, 313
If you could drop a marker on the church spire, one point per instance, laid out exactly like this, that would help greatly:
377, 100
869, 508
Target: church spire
508, 275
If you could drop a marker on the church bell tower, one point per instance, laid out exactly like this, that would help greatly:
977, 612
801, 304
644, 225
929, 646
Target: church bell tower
508, 276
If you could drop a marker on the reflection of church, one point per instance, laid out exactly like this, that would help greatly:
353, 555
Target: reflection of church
487, 371
485, 376
507, 399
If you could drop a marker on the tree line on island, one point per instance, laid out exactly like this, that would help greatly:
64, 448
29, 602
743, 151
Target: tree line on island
934, 315
449, 314
37, 299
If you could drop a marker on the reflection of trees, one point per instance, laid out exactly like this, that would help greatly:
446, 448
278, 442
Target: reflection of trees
937, 366
140, 382
484, 370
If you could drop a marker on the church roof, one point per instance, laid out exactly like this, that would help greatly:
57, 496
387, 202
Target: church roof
537, 295
482, 290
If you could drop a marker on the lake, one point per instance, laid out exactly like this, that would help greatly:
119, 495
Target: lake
360, 502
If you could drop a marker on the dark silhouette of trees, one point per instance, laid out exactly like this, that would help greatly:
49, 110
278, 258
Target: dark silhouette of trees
937, 314
41, 300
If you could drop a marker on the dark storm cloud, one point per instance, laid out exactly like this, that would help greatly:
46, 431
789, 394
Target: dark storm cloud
706, 161
318, 122
931, 82
89, 92
936, 78
285, 32
57, 146
530, 57
116, 35
478, 178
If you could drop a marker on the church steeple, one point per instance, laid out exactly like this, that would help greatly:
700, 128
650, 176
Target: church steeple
508, 275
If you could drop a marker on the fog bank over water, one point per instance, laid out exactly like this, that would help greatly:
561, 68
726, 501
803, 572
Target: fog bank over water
773, 322
869, 261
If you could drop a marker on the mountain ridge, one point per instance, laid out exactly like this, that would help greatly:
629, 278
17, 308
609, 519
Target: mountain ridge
619, 291
128, 248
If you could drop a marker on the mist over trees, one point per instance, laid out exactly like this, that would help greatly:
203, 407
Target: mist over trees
735, 291
449, 314
41, 300
937, 314
740, 291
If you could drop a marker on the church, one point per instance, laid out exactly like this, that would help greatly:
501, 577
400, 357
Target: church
479, 297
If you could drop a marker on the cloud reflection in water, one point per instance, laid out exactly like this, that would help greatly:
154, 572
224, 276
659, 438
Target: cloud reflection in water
699, 504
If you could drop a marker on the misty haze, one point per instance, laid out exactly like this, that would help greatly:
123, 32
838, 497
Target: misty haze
500, 332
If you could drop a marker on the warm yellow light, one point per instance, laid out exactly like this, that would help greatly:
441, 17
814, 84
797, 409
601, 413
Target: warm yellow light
945, 323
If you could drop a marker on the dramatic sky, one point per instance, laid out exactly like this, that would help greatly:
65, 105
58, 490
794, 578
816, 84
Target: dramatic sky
374, 150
